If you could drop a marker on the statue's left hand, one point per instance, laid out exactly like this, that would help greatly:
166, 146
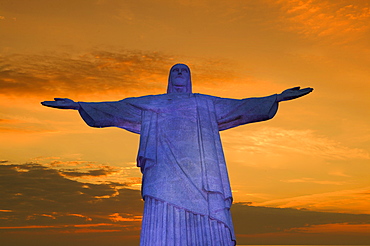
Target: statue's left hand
293, 93
62, 103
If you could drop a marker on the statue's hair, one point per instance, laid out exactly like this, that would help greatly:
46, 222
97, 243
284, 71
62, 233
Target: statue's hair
170, 87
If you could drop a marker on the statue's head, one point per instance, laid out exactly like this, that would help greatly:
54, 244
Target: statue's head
179, 79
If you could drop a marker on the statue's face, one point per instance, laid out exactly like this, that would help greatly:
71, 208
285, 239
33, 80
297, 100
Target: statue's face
180, 75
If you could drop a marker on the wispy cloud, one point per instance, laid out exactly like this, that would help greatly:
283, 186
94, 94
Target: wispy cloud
269, 139
339, 173
345, 201
337, 228
340, 21
117, 217
24, 125
96, 72
122, 72
314, 181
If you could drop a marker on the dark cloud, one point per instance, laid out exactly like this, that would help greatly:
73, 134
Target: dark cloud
40, 203
40, 206
36, 193
252, 220
264, 225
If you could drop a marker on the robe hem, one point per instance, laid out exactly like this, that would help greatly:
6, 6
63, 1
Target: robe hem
210, 217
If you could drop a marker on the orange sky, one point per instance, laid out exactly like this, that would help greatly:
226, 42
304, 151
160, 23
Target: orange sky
312, 159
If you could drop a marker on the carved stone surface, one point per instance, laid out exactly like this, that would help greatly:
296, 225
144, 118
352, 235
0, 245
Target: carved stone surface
185, 182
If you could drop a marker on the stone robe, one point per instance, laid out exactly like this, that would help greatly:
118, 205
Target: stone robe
185, 183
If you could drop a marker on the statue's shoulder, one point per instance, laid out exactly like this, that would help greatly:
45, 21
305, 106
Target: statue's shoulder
146, 98
205, 96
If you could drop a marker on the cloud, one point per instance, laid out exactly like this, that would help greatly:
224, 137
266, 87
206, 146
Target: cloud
307, 142
259, 219
29, 125
334, 228
343, 201
44, 196
263, 225
314, 181
122, 72
339, 173
319, 174
117, 217
96, 72
339, 21
39, 204
94, 173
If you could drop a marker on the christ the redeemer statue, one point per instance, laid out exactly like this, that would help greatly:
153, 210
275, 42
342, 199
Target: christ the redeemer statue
185, 185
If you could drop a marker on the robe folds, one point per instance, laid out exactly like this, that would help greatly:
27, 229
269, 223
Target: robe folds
181, 159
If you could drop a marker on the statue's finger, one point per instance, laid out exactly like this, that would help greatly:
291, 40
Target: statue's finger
48, 103
307, 90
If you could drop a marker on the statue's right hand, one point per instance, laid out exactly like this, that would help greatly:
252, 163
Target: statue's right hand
61, 103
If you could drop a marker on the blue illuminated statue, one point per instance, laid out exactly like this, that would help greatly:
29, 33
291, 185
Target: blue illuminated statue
185, 183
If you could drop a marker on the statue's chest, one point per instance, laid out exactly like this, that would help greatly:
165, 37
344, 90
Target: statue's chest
178, 109
179, 117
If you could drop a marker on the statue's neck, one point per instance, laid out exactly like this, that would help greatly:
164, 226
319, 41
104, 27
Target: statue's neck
179, 89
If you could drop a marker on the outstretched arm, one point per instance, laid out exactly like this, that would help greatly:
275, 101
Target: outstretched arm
124, 113
62, 103
293, 93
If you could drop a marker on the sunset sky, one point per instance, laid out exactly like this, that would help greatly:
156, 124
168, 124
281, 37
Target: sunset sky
301, 178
